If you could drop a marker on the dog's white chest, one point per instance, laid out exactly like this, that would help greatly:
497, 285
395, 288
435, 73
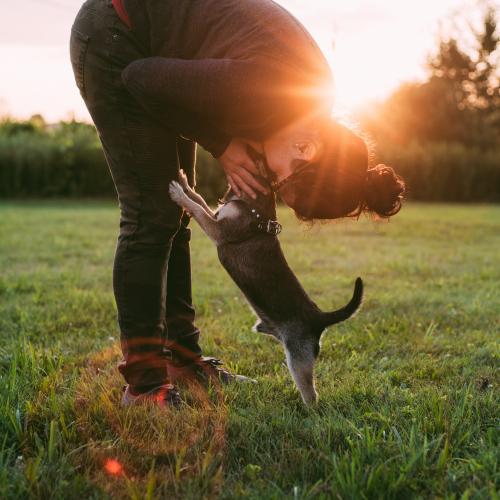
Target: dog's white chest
229, 211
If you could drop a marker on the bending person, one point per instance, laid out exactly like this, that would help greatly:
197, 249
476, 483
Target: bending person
159, 77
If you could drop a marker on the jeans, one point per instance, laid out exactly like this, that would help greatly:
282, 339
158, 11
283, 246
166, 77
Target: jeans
152, 269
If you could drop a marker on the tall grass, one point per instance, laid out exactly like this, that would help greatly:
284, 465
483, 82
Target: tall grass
446, 171
67, 161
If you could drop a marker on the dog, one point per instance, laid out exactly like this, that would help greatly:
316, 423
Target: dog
245, 232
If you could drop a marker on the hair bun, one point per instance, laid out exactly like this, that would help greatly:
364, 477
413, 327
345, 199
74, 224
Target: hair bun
384, 191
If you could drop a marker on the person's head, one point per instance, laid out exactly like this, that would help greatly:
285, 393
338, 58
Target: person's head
323, 173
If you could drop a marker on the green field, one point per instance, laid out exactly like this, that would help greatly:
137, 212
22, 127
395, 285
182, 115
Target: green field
409, 400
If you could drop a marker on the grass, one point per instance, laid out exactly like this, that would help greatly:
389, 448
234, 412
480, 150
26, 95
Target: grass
408, 388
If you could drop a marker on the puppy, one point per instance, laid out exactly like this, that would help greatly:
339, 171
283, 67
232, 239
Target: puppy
245, 233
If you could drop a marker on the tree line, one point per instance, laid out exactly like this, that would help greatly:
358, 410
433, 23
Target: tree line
66, 160
442, 135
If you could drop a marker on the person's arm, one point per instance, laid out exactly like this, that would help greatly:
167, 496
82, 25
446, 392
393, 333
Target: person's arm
212, 88
190, 95
148, 87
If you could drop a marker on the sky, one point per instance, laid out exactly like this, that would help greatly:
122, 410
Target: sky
372, 47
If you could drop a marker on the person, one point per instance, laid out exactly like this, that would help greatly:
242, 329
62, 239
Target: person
159, 78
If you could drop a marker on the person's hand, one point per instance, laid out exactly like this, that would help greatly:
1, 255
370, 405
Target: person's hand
240, 169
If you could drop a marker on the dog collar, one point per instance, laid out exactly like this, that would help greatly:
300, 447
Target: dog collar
268, 226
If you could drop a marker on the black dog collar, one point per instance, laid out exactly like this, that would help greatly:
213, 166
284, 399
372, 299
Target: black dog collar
259, 223
268, 226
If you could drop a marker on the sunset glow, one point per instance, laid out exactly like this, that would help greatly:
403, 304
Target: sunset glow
371, 47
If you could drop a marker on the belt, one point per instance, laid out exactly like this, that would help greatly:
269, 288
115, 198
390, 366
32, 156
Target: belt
122, 13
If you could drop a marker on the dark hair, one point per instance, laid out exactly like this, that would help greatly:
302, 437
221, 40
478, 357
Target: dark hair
384, 191
340, 184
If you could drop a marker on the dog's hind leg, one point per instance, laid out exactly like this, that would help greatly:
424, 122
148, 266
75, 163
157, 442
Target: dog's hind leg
206, 220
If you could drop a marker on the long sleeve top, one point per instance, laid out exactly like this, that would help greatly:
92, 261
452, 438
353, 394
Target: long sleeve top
217, 69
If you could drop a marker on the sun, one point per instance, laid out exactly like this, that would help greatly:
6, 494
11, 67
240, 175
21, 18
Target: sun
371, 47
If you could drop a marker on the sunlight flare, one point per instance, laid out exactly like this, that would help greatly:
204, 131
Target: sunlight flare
113, 467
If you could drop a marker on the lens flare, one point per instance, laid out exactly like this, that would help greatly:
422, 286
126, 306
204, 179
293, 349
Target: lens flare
113, 467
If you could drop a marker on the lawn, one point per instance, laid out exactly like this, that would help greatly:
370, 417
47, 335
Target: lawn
409, 399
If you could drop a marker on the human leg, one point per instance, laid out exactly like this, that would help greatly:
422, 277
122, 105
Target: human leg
143, 159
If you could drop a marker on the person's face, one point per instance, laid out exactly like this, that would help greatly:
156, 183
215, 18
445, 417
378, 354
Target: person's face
283, 156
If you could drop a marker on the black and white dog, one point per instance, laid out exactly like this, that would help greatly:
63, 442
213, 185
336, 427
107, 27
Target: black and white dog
245, 233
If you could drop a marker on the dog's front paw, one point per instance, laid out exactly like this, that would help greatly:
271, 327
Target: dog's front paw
177, 193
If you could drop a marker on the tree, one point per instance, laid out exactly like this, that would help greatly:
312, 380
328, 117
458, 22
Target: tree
471, 72
460, 100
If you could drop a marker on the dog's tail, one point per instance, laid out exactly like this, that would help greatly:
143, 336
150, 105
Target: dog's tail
330, 318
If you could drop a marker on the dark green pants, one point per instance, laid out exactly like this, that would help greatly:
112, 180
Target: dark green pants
151, 275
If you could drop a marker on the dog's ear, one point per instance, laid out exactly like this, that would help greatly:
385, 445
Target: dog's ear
226, 196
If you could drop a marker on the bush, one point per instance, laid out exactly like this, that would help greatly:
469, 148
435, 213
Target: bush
67, 161
446, 171
64, 161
